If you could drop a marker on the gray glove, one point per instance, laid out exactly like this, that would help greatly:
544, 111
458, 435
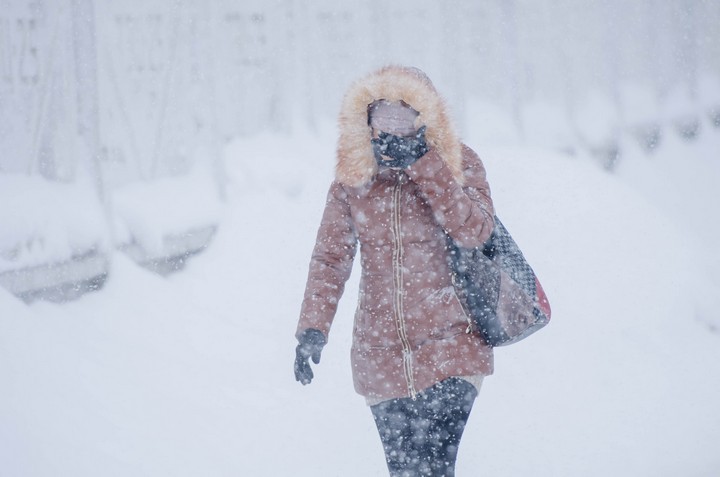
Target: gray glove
403, 151
311, 343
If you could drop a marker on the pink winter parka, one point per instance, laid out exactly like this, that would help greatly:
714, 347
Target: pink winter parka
411, 330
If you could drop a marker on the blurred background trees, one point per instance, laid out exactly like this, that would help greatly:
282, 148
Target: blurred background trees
116, 99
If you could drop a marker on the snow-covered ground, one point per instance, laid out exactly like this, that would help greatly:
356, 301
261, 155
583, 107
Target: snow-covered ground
191, 375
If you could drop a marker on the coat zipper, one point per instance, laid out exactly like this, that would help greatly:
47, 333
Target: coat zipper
398, 300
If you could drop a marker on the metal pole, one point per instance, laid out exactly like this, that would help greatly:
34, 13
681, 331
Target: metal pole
85, 51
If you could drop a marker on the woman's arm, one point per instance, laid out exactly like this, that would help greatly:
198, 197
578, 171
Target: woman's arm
330, 265
465, 212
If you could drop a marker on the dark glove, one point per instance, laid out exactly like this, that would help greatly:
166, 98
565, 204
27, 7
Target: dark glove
404, 151
311, 343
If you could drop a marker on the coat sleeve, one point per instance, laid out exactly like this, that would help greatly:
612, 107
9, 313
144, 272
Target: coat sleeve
465, 211
330, 264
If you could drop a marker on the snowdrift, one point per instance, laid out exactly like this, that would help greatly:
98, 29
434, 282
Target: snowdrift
191, 374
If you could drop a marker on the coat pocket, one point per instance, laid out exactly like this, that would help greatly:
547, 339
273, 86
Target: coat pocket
441, 315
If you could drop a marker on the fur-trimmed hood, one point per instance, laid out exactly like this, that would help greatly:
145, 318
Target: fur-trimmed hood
356, 165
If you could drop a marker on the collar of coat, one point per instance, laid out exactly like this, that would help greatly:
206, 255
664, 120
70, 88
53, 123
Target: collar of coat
356, 164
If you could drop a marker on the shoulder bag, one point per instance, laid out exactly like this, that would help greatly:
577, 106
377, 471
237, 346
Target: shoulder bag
499, 288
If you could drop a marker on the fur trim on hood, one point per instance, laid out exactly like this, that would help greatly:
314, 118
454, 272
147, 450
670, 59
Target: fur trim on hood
356, 165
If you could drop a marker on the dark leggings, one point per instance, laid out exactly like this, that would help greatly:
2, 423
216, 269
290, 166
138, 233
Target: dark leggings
421, 437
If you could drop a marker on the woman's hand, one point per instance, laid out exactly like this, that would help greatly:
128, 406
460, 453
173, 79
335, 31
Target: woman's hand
402, 151
311, 343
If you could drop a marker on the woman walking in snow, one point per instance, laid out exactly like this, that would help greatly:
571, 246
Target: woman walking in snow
404, 181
